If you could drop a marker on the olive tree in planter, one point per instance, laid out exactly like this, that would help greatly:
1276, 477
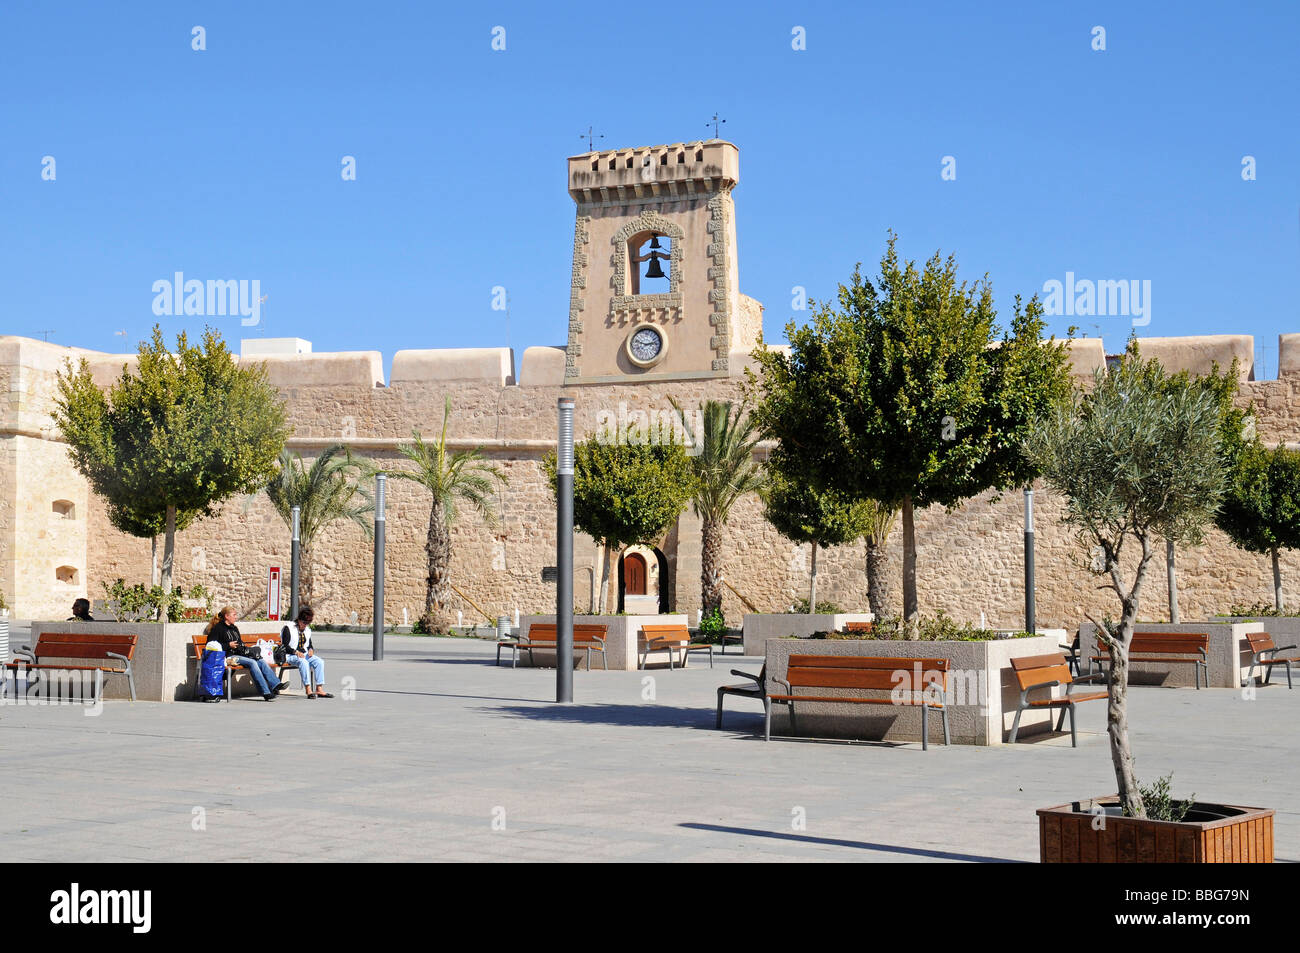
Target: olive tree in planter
1135, 460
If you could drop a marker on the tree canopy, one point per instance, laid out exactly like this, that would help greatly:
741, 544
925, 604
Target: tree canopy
185, 431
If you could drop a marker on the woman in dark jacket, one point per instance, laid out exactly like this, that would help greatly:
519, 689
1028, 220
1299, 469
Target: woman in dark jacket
223, 630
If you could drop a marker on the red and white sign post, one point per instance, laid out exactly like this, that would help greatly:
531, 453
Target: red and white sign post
273, 594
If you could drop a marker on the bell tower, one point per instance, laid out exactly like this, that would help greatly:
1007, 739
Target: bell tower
655, 294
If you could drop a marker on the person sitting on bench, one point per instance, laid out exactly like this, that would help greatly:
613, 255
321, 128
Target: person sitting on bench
222, 629
81, 611
298, 651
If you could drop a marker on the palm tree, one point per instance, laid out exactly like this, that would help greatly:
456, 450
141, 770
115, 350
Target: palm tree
464, 477
325, 493
725, 470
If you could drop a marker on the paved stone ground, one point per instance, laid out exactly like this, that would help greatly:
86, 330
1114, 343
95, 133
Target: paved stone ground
438, 744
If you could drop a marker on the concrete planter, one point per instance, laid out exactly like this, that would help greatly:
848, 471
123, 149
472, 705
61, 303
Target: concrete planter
1228, 654
163, 662
759, 627
982, 691
621, 638
1212, 834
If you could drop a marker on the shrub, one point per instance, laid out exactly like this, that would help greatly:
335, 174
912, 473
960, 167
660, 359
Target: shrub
1160, 806
937, 628
823, 608
712, 626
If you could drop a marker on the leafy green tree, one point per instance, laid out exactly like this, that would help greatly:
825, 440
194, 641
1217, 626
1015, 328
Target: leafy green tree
462, 478
325, 493
1135, 459
184, 432
905, 393
1261, 509
805, 515
625, 491
724, 470
1234, 426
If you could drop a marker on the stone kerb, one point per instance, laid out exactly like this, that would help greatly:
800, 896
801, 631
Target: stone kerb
759, 627
982, 692
621, 639
1224, 655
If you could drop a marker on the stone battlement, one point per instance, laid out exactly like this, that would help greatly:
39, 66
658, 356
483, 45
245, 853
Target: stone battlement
544, 365
683, 168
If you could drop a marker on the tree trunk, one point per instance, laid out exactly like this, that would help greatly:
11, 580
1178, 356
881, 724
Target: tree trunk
1121, 753
812, 590
602, 597
437, 547
1277, 582
710, 571
304, 575
877, 588
911, 610
169, 550
153, 561
1173, 581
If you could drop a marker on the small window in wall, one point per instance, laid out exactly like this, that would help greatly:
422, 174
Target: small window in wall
650, 263
66, 574
699, 155
65, 509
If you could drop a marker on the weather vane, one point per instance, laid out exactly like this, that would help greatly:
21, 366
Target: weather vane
716, 123
591, 138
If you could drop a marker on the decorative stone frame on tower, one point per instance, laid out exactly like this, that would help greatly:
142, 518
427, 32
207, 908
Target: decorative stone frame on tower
682, 191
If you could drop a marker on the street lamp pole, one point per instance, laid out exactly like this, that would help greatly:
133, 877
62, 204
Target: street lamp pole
564, 555
1029, 559
294, 564
381, 522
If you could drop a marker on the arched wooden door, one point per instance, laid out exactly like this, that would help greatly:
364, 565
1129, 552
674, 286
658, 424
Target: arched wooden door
634, 575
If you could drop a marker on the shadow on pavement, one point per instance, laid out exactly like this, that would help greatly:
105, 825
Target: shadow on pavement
861, 845
648, 715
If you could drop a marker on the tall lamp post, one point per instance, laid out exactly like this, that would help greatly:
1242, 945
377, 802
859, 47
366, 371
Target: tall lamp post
294, 564
381, 522
564, 555
1029, 559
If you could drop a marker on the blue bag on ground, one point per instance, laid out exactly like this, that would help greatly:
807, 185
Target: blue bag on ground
211, 670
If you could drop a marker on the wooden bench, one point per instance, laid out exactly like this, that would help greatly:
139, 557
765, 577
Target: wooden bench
543, 635
232, 667
673, 638
924, 681
113, 652
1169, 647
1261, 645
1038, 672
754, 688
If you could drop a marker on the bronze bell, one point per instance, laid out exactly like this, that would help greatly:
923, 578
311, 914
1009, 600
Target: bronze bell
654, 241
654, 271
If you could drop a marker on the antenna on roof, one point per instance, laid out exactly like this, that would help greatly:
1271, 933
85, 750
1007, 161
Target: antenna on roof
45, 334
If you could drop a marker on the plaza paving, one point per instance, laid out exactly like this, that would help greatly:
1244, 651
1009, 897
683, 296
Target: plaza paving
439, 749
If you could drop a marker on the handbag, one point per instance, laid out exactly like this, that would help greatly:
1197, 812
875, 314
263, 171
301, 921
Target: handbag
278, 654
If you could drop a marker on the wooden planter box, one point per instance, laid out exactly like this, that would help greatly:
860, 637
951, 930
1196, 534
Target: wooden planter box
1220, 834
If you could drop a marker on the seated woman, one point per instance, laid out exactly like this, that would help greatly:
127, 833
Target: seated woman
299, 652
81, 611
222, 629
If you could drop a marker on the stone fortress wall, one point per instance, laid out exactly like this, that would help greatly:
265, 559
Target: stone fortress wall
56, 543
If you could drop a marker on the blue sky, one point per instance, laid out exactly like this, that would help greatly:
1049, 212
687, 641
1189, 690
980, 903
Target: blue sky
1122, 164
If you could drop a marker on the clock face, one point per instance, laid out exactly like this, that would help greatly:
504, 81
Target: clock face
646, 345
